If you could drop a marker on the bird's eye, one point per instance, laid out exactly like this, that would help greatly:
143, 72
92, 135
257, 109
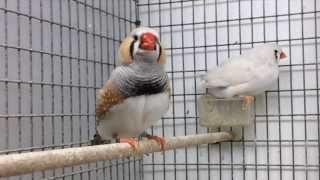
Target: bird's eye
276, 53
135, 37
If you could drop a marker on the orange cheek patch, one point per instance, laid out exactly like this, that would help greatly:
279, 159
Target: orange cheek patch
124, 51
162, 58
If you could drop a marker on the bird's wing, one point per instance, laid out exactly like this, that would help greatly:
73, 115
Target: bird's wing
235, 72
108, 97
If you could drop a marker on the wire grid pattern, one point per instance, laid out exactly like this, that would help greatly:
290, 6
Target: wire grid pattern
283, 143
54, 56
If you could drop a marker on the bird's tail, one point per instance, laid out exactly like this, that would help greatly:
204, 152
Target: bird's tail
203, 80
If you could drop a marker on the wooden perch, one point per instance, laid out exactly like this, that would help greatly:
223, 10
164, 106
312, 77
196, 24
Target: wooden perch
16, 164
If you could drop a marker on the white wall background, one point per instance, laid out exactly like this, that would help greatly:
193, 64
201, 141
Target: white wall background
284, 141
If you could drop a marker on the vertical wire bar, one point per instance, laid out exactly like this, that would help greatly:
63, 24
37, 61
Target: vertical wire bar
52, 77
206, 69
131, 14
79, 76
228, 49
195, 84
317, 80
125, 34
70, 77
137, 11
109, 68
123, 163
6, 73
152, 128
101, 68
125, 23
61, 78
217, 63
172, 90
266, 94
109, 73
242, 128
130, 18
87, 73
114, 64
95, 90
304, 93
255, 117
31, 77
119, 20
41, 79
184, 88
162, 119
291, 93
19, 76
279, 99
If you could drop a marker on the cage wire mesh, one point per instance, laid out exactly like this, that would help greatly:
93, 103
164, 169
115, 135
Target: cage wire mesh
56, 54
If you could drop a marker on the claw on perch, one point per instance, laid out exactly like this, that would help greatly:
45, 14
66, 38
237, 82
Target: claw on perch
247, 101
133, 142
161, 141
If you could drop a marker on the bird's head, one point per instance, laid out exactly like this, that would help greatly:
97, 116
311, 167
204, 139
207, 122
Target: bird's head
279, 54
142, 45
270, 52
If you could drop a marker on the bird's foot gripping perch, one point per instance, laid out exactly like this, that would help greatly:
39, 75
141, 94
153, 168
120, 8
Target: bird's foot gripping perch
161, 141
247, 101
133, 142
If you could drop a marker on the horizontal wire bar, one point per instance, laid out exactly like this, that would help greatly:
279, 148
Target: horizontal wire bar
105, 12
234, 19
243, 43
269, 91
280, 65
257, 115
236, 164
41, 115
94, 169
160, 3
189, 1
54, 54
59, 24
47, 83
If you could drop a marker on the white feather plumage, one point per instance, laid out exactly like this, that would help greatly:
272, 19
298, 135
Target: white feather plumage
249, 74
134, 115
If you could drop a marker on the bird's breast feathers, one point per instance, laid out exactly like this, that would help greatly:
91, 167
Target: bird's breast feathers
135, 114
131, 82
139, 79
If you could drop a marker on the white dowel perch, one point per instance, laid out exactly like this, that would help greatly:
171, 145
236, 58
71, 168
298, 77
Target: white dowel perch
16, 164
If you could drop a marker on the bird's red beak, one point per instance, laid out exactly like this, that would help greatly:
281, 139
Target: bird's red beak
148, 41
283, 55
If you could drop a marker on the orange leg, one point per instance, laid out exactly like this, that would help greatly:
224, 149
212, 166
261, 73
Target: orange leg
247, 100
133, 142
161, 141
